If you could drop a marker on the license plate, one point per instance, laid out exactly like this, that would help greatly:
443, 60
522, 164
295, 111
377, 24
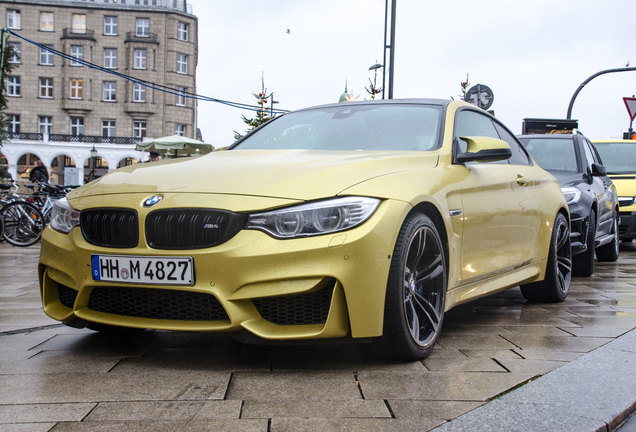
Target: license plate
143, 269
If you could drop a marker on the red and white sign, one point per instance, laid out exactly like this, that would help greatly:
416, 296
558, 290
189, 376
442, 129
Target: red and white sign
630, 103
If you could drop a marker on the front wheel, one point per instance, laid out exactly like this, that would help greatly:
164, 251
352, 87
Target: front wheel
416, 290
23, 223
558, 272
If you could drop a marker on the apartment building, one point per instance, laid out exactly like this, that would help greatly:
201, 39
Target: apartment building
93, 78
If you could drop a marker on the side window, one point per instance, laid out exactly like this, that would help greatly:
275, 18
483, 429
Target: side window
472, 123
519, 154
589, 155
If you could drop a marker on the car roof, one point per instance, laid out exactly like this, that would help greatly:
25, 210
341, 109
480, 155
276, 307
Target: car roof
423, 101
614, 141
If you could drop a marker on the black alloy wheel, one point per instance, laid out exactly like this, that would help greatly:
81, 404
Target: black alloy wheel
416, 290
558, 274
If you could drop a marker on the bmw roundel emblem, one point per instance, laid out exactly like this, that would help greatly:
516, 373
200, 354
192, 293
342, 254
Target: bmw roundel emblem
153, 200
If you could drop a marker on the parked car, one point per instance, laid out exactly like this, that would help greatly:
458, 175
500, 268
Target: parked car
619, 157
590, 194
362, 220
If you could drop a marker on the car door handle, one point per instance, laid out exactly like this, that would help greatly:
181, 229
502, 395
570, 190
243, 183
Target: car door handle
521, 180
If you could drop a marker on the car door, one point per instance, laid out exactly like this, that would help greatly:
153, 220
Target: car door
500, 205
603, 189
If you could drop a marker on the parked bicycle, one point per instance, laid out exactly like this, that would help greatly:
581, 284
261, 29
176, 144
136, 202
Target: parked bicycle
22, 221
43, 196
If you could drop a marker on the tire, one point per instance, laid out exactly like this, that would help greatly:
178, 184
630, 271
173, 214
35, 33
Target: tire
583, 263
416, 291
609, 252
23, 223
558, 273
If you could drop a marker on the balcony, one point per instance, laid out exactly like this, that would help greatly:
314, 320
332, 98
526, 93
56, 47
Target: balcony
67, 33
151, 39
31, 136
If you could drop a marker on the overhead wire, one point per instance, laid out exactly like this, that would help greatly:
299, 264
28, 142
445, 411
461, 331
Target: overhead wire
145, 83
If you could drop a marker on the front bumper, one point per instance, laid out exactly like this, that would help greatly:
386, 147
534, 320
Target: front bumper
319, 287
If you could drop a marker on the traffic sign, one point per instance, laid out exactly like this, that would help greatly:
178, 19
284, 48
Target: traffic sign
630, 103
480, 95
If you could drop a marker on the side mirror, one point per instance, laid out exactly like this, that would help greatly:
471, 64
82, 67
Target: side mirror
486, 149
598, 170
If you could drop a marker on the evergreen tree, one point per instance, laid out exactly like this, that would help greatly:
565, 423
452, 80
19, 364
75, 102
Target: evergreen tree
6, 53
261, 113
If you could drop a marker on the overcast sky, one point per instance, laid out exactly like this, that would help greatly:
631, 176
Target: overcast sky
532, 54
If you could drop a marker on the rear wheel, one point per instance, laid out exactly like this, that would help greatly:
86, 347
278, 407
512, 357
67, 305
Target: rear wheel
416, 289
609, 251
558, 273
583, 263
23, 223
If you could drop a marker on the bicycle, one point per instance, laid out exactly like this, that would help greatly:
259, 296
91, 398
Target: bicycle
43, 196
22, 221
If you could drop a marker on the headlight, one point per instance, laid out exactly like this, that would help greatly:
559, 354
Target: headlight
317, 218
572, 195
64, 217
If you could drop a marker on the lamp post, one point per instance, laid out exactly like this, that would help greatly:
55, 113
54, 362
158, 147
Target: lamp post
94, 160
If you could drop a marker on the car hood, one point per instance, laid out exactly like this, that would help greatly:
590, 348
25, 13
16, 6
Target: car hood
291, 174
567, 178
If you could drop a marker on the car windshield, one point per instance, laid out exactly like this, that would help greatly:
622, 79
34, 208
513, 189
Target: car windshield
351, 127
552, 154
618, 157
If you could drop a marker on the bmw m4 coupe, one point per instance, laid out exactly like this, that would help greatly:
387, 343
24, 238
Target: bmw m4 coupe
354, 220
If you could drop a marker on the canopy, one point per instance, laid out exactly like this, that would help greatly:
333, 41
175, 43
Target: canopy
175, 145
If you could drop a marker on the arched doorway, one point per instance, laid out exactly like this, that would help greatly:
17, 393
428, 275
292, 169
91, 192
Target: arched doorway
94, 167
127, 162
26, 163
64, 171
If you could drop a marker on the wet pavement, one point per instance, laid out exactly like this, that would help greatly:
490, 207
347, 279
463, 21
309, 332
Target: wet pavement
500, 364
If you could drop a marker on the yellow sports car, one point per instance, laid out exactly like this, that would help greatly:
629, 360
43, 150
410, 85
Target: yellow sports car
361, 220
619, 157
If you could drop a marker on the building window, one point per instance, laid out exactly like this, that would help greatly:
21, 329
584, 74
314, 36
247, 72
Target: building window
46, 88
182, 31
13, 86
139, 93
180, 129
46, 21
77, 126
45, 125
78, 23
110, 91
110, 25
77, 51
76, 88
180, 96
46, 56
108, 128
143, 27
182, 63
14, 20
17, 52
110, 58
139, 129
13, 125
140, 59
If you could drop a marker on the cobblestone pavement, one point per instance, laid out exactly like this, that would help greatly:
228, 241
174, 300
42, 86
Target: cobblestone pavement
55, 378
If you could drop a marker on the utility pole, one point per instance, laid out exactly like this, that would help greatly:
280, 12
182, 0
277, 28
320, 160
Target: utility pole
389, 45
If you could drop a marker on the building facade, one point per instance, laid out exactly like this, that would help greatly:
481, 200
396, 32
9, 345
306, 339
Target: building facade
92, 79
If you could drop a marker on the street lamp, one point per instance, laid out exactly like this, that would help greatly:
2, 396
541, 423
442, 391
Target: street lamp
94, 159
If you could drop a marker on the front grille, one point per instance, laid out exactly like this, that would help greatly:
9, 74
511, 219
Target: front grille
110, 227
191, 228
67, 295
157, 304
298, 309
